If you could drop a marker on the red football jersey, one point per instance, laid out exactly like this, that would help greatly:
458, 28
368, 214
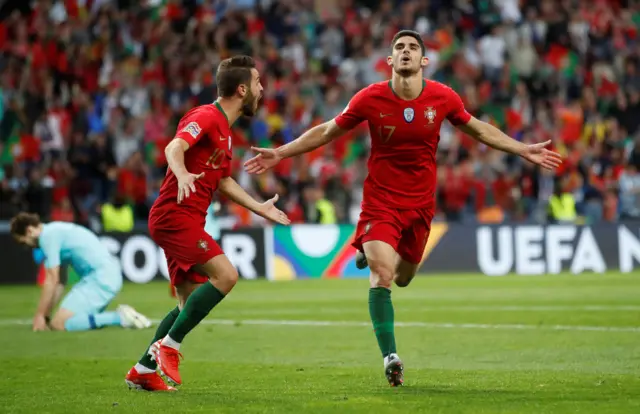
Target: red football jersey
206, 129
404, 135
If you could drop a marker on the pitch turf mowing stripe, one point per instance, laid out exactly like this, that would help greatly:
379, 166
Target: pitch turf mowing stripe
341, 310
592, 308
354, 324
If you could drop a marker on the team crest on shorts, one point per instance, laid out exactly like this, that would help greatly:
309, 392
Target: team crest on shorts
430, 114
193, 129
202, 244
408, 114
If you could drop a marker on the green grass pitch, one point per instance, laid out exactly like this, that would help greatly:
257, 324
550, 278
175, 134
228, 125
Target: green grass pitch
553, 344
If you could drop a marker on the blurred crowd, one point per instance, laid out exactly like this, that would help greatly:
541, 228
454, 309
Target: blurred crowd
91, 92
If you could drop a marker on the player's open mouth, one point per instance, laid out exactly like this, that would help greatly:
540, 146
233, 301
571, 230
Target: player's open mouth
405, 59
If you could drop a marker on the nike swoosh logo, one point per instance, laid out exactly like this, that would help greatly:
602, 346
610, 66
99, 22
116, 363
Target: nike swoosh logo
222, 138
383, 115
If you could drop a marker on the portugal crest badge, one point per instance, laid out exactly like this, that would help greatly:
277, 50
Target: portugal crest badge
408, 114
430, 114
202, 244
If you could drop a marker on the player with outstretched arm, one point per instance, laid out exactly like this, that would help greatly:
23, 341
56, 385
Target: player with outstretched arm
404, 116
199, 159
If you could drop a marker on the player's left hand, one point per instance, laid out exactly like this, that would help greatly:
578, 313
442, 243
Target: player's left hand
269, 211
267, 158
538, 154
40, 323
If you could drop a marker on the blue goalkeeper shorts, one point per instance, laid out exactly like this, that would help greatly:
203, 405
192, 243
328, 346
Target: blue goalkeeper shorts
93, 292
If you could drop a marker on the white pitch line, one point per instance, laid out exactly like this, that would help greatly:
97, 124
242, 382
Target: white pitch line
541, 308
488, 308
354, 324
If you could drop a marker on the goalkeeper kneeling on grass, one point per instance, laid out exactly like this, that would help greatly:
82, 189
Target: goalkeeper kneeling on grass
100, 275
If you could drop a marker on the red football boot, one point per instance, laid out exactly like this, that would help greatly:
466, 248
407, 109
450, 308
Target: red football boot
168, 360
148, 382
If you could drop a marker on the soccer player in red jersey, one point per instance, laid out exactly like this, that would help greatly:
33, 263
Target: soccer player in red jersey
404, 116
199, 159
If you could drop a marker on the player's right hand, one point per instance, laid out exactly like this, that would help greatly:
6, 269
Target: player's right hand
187, 185
40, 323
266, 158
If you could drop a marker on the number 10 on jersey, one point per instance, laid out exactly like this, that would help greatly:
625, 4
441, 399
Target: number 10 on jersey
215, 160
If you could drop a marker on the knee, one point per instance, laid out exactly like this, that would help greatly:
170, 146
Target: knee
405, 272
231, 277
225, 280
381, 274
402, 281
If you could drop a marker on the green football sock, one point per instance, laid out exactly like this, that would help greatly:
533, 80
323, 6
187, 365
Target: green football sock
161, 332
381, 312
197, 307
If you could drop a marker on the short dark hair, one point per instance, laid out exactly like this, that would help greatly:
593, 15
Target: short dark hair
233, 72
410, 33
21, 221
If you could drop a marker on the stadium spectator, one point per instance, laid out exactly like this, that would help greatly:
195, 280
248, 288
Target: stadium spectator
562, 204
317, 209
117, 216
630, 192
132, 184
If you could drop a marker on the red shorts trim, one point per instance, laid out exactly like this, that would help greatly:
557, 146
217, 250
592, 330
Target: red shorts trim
184, 249
407, 231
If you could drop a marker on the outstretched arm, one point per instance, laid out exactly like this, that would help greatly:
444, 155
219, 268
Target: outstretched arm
314, 138
353, 114
494, 138
232, 190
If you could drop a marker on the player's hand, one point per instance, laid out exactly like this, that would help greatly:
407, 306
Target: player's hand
266, 158
187, 185
40, 323
269, 211
538, 154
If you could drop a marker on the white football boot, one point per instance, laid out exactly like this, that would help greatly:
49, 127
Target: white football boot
130, 318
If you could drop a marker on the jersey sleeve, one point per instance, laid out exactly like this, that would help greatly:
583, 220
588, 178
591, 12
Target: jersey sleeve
194, 126
50, 244
353, 114
457, 114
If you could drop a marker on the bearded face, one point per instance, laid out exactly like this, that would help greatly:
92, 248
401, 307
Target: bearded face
253, 95
250, 103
